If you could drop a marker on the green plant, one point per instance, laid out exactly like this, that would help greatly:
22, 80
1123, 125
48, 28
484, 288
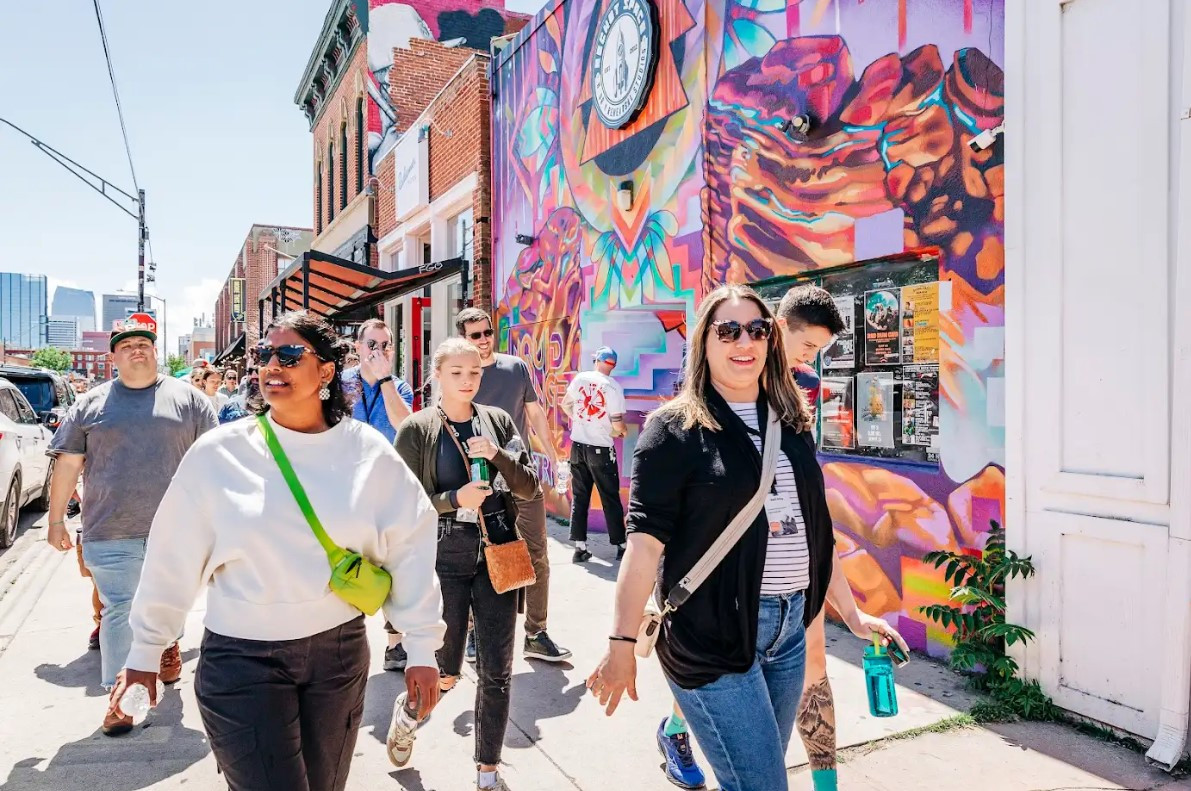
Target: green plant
176, 363
49, 357
977, 614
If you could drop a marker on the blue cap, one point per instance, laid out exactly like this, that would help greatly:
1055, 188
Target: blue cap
604, 354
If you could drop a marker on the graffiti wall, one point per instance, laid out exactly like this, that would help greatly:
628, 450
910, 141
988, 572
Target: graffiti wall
722, 191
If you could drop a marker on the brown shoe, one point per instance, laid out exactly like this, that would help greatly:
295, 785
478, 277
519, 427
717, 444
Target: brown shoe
171, 665
116, 724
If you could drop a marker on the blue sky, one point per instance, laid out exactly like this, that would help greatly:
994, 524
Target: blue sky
218, 143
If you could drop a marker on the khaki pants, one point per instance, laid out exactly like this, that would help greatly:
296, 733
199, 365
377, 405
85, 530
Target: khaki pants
531, 524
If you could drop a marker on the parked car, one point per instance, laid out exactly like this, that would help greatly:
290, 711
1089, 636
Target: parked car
25, 469
47, 392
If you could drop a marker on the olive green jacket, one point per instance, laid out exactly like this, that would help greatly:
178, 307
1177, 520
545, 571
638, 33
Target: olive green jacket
417, 444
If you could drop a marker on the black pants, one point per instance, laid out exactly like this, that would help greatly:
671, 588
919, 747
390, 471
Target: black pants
463, 576
283, 715
593, 464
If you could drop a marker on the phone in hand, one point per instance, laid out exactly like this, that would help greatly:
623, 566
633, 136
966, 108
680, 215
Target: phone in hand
899, 657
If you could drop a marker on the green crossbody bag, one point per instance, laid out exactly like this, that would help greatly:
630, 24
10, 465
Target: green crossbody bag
354, 578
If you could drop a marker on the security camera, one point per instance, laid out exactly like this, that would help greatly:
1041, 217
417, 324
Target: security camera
985, 140
797, 128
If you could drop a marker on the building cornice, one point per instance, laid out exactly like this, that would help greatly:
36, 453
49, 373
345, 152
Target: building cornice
341, 35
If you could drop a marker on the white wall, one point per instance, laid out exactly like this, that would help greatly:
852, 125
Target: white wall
1098, 294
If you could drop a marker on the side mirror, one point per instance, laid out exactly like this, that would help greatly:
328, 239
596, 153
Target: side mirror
49, 419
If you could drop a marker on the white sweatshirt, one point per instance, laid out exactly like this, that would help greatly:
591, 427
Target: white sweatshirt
229, 521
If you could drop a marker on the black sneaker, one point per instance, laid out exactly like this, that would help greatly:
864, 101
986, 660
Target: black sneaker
395, 658
73, 509
581, 556
620, 548
469, 651
540, 646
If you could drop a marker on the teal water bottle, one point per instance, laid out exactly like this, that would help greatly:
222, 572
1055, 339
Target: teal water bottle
878, 679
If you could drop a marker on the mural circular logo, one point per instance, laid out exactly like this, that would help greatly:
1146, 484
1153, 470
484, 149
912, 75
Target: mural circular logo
623, 61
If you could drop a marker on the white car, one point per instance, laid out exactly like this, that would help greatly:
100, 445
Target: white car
25, 468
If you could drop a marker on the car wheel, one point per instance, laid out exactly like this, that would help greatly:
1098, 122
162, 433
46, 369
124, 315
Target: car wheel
42, 503
9, 513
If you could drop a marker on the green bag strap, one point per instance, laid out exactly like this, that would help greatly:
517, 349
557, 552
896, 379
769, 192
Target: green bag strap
295, 486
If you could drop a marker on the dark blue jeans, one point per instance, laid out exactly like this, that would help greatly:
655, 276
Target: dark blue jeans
743, 721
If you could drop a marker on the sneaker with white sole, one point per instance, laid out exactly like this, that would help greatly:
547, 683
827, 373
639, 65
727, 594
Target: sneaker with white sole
469, 651
402, 731
499, 786
540, 646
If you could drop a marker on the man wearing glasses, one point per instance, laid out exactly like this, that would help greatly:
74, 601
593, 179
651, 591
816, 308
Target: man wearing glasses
382, 400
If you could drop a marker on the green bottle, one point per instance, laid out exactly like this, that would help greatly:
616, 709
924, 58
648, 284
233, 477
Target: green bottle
479, 470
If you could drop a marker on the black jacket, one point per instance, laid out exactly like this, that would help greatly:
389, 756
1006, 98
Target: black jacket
687, 486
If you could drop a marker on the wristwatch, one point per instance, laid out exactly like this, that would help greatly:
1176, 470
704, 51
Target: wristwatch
384, 379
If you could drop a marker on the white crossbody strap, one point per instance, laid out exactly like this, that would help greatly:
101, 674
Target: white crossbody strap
738, 526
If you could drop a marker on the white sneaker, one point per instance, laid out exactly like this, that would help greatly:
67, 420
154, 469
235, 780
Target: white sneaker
402, 732
500, 786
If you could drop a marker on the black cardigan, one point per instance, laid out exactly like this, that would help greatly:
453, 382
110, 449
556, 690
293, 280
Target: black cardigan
687, 486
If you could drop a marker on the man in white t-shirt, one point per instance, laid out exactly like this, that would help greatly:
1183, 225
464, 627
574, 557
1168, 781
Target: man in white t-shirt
595, 403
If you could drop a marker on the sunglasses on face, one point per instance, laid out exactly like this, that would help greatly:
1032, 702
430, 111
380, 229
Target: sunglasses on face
728, 330
488, 333
288, 355
373, 345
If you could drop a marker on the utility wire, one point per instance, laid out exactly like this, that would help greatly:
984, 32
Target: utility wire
107, 55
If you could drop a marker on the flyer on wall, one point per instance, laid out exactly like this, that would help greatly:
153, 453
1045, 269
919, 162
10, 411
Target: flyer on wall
920, 323
837, 413
882, 327
920, 405
874, 399
841, 352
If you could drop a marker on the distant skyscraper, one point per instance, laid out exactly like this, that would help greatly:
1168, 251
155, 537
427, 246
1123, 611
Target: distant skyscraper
116, 308
63, 332
75, 302
23, 310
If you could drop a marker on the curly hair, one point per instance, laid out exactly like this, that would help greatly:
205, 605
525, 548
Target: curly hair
328, 346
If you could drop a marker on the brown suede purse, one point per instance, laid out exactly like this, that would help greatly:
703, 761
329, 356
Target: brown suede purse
509, 564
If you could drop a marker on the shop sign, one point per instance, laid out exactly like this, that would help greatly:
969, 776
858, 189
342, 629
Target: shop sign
623, 61
237, 284
411, 160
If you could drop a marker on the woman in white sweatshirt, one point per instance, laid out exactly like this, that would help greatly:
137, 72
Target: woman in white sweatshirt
281, 677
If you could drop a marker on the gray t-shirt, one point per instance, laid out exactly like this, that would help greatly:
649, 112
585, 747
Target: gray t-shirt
133, 441
506, 384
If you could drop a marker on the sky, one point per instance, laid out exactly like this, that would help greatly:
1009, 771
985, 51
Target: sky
217, 141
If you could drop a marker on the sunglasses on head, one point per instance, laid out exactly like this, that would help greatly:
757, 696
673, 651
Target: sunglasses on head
728, 330
373, 345
488, 333
288, 355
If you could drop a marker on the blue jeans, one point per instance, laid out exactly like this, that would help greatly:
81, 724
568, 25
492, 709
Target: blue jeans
743, 721
115, 567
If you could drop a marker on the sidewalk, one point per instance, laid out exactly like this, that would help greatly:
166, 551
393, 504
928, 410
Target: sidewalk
558, 739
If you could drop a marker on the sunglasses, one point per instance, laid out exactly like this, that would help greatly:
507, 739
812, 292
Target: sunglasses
728, 330
288, 355
373, 345
488, 333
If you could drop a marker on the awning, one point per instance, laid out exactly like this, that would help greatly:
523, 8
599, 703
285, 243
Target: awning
234, 349
343, 290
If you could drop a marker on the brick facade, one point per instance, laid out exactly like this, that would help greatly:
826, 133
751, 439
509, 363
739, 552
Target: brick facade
344, 116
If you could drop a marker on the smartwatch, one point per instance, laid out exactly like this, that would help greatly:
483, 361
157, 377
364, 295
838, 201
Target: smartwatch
384, 379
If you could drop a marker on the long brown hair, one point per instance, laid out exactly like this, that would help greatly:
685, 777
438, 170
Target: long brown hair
781, 392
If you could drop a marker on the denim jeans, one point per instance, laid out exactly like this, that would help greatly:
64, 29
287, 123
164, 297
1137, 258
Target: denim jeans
463, 576
283, 715
743, 721
115, 567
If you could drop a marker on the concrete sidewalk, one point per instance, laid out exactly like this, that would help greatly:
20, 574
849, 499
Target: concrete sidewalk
557, 739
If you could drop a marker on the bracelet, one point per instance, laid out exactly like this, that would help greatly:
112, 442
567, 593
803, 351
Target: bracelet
59, 522
384, 379
621, 638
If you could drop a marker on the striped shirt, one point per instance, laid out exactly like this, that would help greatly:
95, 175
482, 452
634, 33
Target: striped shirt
787, 558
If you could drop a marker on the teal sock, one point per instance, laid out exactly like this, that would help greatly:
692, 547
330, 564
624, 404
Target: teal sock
675, 725
824, 780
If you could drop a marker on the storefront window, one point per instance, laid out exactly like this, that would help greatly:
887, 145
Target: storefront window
879, 394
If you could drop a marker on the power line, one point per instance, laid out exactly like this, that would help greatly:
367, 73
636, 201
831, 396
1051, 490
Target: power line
107, 55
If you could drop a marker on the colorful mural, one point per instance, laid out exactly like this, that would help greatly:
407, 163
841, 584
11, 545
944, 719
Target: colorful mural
722, 191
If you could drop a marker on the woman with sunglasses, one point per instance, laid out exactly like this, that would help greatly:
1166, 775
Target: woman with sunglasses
284, 663
440, 444
734, 652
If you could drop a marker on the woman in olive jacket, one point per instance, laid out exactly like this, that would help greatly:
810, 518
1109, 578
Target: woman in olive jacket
432, 442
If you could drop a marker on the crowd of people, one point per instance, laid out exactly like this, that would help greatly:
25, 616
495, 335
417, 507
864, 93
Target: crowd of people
325, 497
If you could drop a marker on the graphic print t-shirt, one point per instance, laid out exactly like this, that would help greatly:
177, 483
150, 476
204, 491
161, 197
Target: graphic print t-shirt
787, 558
597, 398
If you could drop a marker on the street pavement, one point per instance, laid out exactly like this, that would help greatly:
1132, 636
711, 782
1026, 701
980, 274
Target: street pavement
558, 739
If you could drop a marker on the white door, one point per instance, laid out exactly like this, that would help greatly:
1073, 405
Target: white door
32, 440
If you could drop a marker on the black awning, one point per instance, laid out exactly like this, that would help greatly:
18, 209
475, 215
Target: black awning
342, 290
234, 349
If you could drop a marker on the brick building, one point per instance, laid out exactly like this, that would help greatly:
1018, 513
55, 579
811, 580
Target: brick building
434, 193
266, 250
92, 364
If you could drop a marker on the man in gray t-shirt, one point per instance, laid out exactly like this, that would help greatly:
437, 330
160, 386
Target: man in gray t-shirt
128, 437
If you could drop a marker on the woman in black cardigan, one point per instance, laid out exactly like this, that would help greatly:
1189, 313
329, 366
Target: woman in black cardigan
734, 652
432, 442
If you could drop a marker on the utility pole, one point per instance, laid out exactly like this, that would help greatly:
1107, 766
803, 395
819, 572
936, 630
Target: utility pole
142, 235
